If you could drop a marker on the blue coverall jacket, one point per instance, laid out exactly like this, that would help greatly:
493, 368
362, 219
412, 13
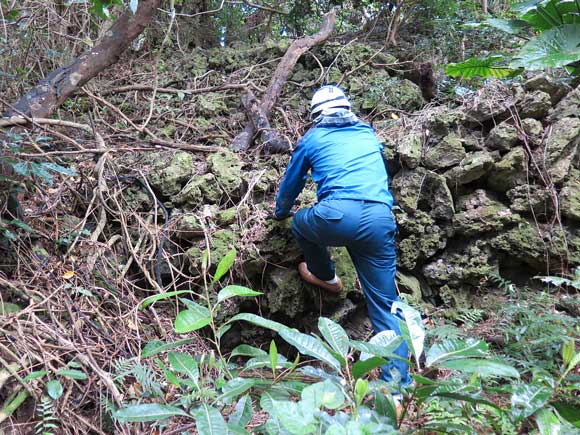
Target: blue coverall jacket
353, 210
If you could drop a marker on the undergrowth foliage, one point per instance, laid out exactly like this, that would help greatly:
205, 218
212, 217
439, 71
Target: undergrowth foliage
332, 392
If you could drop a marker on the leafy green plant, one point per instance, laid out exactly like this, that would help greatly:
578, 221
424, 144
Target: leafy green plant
555, 42
560, 281
47, 421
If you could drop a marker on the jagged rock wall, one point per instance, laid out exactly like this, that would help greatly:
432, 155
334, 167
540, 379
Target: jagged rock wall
490, 185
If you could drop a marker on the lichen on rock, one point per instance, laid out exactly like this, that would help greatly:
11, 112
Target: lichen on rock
445, 153
510, 171
570, 196
474, 166
502, 137
483, 214
561, 147
535, 105
170, 172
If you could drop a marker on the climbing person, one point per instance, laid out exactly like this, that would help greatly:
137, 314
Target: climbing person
353, 210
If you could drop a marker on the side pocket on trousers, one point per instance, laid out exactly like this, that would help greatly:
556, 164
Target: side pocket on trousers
326, 212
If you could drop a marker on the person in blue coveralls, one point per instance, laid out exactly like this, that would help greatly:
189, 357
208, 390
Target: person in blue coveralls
354, 205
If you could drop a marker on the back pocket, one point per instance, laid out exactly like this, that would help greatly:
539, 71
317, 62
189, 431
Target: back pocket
325, 211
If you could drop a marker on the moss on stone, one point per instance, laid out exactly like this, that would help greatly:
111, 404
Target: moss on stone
510, 171
471, 168
227, 168
502, 137
170, 172
285, 293
561, 147
489, 215
570, 196
535, 105
189, 226
445, 153
409, 149
221, 242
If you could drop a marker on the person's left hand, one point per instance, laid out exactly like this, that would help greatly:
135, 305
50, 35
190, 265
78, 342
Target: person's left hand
278, 218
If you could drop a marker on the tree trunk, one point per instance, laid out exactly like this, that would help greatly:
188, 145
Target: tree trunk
484, 6
54, 89
244, 140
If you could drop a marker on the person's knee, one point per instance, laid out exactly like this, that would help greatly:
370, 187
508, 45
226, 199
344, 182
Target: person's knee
298, 220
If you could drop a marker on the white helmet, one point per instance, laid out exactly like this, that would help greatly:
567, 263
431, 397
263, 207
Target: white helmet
328, 97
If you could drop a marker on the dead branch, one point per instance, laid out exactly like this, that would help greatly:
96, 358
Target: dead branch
149, 88
42, 100
243, 141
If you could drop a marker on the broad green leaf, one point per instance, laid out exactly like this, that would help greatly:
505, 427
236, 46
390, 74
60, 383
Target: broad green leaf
326, 394
512, 27
147, 412
247, 350
7, 308
297, 418
361, 389
262, 361
22, 225
236, 290
483, 367
527, 399
242, 412
237, 387
224, 265
158, 297
569, 412
309, 345
268, 397
273, 354
184, 363
169, 375
260, 321
546, 14
573, 363
335, 335
386, 340
54, 389
547, 422
568, 348
196, 317
369, 349
454, 348
481, 67
553, 48
35, 375
362, 367
223, 329
157, 346
209, 421
471, 398
72, 374
41, 171
414, 326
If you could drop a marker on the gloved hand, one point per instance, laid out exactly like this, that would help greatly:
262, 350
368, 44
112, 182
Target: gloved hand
277, 218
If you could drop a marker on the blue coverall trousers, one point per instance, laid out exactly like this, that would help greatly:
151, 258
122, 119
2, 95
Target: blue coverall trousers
367, 229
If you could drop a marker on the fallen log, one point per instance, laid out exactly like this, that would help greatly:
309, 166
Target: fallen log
272, 142
243, 141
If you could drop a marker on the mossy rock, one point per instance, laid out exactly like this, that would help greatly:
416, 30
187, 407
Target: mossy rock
467, 265
510, 171
345, 270
555, 88
170, 172
421, 189
502, 137
410, 148
199, 190
226, 166
483, 214
534, 131
473, 167
415, 249
441, 121
444, 153
569, 106
411, 286
531, 199
535, 105
221, 242
570, 196
189, 226
561, 147
286, 293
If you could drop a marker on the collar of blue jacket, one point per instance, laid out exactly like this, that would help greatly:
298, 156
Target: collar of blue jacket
346, 162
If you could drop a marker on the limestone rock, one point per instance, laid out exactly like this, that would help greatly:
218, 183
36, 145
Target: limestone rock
561, 147
345, 269
410, 148
189, 226
220, 243
570, 196
490, 102
534, 131
200, 189
535, 244
548, 84
445, 153
489, 215
421, 189
569, 106
169, 175
502, 137
416, 249
467, 265
530, 199
227, 168
535, 105
510, 171
411, 286
472, 167
402, 94
286, 292
442, 120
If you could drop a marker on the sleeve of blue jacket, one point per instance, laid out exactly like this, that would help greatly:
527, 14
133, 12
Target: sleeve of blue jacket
293, 182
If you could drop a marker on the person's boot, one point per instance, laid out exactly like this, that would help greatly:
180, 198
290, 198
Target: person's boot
334, 286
